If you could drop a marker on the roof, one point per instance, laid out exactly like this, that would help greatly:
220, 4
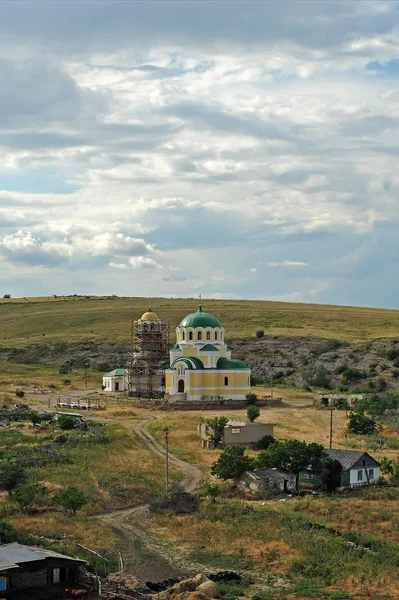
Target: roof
350, 458
149, 316
189, 361
269, 473
238, 423
14, 555
115, 373
231, 364
200, 319
209, 348
176, 347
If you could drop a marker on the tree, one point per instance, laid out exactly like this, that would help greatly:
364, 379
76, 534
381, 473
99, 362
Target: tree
20, 393
216, 426
232, 463
25, 496
390, 468
260, 334
70, 499
251, 399
264, 443
66, 422
292, 455
360, 424
253, 413
11, 476
341, 404
34, 417
329, 471
7, 296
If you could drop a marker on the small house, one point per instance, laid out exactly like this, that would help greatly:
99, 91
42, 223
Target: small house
27, 567
114, 381
358, 468
267, 481
236, 433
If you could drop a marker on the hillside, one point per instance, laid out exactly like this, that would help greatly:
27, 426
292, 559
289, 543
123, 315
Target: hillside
105, 320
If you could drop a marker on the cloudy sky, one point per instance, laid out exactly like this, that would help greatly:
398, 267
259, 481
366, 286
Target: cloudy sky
234, 149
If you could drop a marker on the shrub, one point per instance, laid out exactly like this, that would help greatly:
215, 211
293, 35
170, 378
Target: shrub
63, 370
260, 334
70, 500
20, 393
7, 296
66, 422
178, 501
264, 443
380, 384
360, 424
25, 496
341, 404
34, 417
251, 399
211, 491
392, 353
316, 375
66, 381
256, 380
253, 413
11, 476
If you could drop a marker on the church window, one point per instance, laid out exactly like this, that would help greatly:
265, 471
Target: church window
199, 336
145, 327
226, 381
183, 335
216, 335
208, 335
190, 335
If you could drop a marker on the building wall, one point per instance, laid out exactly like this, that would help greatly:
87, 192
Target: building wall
20, 579
272, 485
249, 433
210, 383
353, 476
109, 383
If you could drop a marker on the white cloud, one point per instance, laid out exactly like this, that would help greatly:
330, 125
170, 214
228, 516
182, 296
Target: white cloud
144, 262
286, 263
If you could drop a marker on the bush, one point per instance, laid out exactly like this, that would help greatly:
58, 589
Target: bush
70, 500
260, 334
251, 399
34, 418
264, 443
66, 381
65, 422
25, 496
20, 393
11, 476
360, 424
7, 296
232, 463
178, 501
392, 353
341, 404
63, 370
253, 413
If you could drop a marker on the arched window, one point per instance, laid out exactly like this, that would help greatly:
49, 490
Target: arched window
145, 327
199, 336
226, 381
216, 335
183, 335
208, 335
190, 335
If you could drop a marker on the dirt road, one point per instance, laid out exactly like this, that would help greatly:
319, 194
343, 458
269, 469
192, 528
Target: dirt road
144, 555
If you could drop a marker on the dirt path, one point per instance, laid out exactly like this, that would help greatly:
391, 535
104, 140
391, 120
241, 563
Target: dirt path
144, 555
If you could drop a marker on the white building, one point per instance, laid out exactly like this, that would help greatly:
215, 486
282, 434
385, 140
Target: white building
114, 381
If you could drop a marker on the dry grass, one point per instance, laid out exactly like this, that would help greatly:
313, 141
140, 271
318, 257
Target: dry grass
25, 322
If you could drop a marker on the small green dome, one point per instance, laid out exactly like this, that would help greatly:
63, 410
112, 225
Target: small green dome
200, 319
231, 363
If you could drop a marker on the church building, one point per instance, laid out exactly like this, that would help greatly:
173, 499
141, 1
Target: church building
201, 366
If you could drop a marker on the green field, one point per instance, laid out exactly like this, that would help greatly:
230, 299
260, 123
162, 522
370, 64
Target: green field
45, 321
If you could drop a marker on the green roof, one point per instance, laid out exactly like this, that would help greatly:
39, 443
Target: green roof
115, 373
209, 348
175, 347
189, 360
231, 364
200, 319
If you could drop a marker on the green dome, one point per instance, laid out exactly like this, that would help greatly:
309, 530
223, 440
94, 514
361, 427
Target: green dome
200, 319
231, 363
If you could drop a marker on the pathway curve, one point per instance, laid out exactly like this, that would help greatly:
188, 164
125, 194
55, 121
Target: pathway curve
144, 555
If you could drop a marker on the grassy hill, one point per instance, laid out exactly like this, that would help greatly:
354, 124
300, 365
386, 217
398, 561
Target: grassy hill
43, 321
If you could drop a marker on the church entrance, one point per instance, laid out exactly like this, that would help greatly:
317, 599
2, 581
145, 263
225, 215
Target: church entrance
180, 386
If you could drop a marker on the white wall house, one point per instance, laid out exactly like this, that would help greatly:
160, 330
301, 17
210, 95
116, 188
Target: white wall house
114, 381
358, 468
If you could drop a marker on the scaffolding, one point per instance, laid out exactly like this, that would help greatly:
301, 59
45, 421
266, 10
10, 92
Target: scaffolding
149, 351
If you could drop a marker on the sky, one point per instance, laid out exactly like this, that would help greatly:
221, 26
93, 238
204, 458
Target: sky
230, 149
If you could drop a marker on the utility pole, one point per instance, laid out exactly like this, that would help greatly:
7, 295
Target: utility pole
271, 381
86, 367
331, 426
166, 432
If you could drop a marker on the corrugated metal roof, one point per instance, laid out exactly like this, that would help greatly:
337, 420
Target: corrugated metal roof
348, 458
115, 373
13, 555
269, 473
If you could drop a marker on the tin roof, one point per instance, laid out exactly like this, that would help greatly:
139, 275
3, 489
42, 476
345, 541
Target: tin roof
350, 458
14, 555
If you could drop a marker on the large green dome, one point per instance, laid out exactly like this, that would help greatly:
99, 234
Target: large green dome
200, 319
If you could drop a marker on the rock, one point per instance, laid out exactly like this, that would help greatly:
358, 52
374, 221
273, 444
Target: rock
209, 588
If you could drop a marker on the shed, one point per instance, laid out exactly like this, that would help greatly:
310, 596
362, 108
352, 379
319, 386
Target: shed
25, 567
237, 433
268, 481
